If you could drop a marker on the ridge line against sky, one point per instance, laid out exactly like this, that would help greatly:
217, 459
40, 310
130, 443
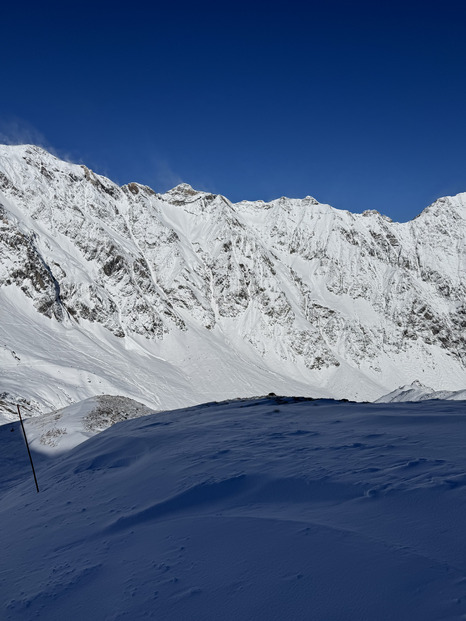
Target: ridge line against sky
359, 104
178, 185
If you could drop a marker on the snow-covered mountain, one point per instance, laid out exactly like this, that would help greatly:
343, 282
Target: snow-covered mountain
178, 298
418, 392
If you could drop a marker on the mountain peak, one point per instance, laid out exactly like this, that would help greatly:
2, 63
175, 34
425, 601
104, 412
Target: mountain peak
446, 206
184, 194
224, 298
185, 189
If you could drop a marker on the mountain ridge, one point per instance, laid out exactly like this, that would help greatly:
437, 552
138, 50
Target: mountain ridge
349, 305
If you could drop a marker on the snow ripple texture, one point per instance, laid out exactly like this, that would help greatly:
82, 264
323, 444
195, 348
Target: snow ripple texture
268, 510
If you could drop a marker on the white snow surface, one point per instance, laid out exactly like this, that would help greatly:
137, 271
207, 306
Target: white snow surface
62, 430
263, 509
179, 298
418, 392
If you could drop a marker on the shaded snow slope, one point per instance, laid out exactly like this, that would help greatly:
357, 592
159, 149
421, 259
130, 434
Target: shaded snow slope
289, 292
264, 509
418, 392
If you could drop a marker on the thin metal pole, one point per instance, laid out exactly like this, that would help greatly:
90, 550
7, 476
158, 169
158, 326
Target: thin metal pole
27, 446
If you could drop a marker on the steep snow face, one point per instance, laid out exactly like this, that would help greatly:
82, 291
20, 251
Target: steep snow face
343, 304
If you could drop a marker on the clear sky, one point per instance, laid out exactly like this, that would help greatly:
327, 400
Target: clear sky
360, 104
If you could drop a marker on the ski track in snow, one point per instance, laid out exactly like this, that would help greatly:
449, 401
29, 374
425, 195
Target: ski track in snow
259, 509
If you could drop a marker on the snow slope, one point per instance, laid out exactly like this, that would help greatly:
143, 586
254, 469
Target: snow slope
261, 510
64, 429
189, 297
418, 392
47, 365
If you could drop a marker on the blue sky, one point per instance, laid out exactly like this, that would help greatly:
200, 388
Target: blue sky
360, 104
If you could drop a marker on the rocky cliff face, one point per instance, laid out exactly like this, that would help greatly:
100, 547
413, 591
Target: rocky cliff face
314, 292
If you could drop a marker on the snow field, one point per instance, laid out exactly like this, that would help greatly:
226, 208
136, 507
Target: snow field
265, 509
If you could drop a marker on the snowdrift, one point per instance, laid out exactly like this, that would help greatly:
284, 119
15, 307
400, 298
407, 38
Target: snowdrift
265, 509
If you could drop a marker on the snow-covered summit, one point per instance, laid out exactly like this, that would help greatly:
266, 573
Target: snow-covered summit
224, 299
450, 206
418, 392
183, 193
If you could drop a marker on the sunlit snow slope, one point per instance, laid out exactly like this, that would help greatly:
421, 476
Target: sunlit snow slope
418, 392
178, 298
259, 510
62, 430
